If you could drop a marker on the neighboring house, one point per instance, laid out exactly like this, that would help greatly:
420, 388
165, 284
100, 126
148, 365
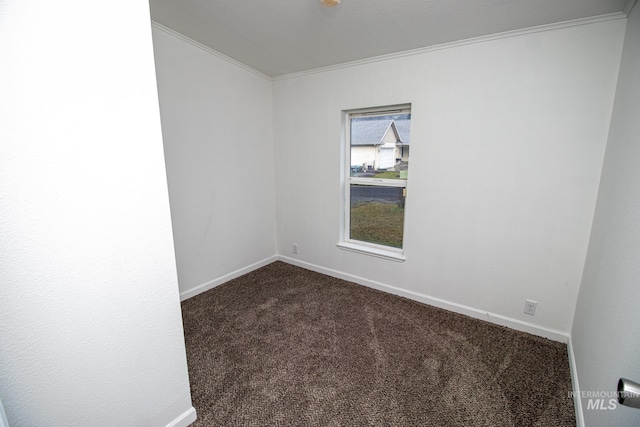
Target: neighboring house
379, 144
402, 126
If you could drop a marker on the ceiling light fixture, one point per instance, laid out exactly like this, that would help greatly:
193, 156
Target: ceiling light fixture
330, 3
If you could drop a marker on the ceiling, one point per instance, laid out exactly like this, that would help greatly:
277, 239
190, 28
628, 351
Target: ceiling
289, 36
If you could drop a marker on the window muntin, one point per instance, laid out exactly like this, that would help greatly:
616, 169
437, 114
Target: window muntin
378, 144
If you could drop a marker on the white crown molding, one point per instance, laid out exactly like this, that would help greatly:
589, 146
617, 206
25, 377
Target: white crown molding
450, 45
207, 49
514, 33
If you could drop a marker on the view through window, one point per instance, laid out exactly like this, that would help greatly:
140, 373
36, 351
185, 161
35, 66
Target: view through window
376, 188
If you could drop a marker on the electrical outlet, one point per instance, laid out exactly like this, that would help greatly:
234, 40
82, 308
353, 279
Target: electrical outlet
294, 248
530, 307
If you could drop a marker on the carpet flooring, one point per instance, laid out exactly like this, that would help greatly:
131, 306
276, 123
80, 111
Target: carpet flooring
286, 346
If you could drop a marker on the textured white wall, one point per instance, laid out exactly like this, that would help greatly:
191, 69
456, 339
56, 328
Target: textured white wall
218, 141
605, 335
507, 143
90, 325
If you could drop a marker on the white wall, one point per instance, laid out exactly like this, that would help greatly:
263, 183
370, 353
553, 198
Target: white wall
90, 325
218, 141
605, 330
507, 142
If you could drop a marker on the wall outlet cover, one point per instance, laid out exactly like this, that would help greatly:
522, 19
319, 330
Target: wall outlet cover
530, 307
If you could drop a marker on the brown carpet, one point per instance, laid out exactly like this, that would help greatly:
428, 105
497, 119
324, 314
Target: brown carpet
287, 346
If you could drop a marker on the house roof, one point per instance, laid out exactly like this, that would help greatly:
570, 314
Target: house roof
369, 131
402, 126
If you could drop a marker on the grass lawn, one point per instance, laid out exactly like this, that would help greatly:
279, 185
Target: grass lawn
380, 223
387, 175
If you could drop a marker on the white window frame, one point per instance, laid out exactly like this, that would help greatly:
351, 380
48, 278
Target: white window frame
372, 249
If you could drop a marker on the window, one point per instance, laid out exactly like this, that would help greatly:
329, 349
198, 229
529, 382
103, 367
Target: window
377, 157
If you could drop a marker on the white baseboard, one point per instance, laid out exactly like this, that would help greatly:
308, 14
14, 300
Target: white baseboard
497, 319
185, 419
3, 416
518, 325
577, 402
230, 276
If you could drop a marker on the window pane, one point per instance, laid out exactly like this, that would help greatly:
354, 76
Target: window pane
380, 146
377, 214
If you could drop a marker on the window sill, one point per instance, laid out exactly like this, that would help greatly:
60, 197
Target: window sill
371, 251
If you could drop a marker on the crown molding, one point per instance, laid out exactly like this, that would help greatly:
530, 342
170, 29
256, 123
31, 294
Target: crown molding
451, 45
207, 49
